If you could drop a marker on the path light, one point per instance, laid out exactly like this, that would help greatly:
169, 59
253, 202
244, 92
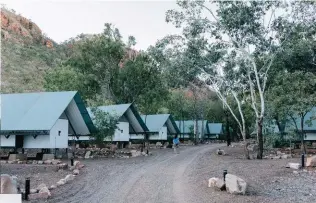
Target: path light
224, 174
302, 159
27, 188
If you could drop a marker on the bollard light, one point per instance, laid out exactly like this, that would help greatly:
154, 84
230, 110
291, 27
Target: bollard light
27, 188
224, 174
72, 161
303, 159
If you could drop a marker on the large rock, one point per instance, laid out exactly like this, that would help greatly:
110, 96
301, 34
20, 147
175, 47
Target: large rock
61, 182
52, 187
311, 161
41, 186
135, 153
235, 185
39, 196
69, 178
294, 165
45, 190
8, 185
216, 183
76, 164
87, 155
56, 161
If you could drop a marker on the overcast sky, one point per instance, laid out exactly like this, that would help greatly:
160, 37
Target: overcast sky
61, 20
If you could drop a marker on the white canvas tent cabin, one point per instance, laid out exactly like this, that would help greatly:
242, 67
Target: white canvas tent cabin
129, 121
43, 120
160, 127
187, 129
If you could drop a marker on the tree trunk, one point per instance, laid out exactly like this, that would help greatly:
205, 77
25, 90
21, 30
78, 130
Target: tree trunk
196, 131
303, 148
227, 130
260, 139
246, 144
279, 127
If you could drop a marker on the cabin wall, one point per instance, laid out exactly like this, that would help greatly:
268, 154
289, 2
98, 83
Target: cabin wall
122, 132
51, 141
7, 142
310, 136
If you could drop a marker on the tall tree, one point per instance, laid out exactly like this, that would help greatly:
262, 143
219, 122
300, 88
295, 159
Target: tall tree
293, 95
241, 36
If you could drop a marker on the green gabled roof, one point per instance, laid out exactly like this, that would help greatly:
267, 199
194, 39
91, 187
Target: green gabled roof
215, 128
157, 121
38, 111
184, 126
119, 110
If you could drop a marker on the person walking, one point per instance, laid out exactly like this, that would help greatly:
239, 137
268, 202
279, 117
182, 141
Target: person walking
176, 144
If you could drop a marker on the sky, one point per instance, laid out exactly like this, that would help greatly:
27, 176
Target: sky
61, 20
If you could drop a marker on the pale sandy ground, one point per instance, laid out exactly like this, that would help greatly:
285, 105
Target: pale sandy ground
182, 178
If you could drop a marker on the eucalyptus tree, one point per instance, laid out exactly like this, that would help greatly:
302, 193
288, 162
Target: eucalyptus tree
233, 46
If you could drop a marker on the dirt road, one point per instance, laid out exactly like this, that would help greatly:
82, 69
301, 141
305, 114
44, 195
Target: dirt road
157, 178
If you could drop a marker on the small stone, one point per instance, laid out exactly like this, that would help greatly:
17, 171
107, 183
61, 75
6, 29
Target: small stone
76, 164
45, 190
40, 162
293, 165
56, 161
52, 187
48, 162
295, 172
87, 155
80, 166
41, 186
32, 191
75, 172
69, 178
279, 153
220, 152
61, 182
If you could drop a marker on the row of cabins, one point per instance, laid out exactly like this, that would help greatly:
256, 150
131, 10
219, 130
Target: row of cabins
50, 120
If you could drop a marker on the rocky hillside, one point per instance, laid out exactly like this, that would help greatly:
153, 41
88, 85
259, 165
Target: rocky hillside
25, 54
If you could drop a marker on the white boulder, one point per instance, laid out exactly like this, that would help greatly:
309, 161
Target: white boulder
294, 165
61, 182
235, 185
87, 155
8, 184
69, 178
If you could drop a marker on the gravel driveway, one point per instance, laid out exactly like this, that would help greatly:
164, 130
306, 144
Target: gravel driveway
182, 178
157, 178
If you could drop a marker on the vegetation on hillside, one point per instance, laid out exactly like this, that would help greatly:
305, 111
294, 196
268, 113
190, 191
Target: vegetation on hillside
230, 65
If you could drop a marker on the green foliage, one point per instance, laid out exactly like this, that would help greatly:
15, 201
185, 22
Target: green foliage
98, 57
140, 81
105, 124
293, 93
